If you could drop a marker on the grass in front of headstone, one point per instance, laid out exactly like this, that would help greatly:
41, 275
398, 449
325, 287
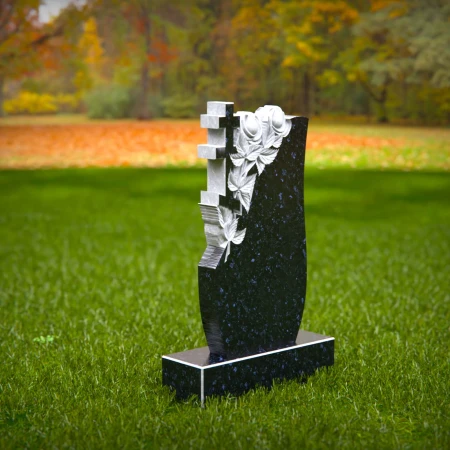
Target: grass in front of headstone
98, 279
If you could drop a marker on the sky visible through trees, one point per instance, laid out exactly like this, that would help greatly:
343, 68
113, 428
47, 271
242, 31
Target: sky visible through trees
49, 9
383, 59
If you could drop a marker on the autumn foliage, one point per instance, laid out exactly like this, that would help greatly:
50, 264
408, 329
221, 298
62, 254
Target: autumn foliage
385, 59
162, 143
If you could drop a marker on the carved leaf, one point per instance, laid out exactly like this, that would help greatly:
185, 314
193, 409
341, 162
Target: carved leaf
229, 223
223, 242
278, 142
242, 186
253, 152
260, 166
237, 158
245, 151
247, 165
239, 237
221, 221
268, 155
233, 180
230, 229
249, 184
246, 192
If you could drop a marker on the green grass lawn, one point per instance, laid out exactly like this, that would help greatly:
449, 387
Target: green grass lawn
105, 261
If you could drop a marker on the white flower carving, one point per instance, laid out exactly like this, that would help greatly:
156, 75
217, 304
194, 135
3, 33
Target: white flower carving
242, 185
229, 222
278, 122
267, 156
251, 127
275, 125
246, 151
252, 154
257, 142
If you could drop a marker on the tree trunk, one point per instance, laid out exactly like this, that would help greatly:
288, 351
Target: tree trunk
2, 98
380, 99
367, 108
383, 118
317, 105
144, 110
221, 37
293, 98
306, 88
405, 113
144, 113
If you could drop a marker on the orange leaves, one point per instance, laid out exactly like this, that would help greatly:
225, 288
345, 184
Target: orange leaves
161, 52
52, 53
151, 144
160, 143
377, 5
336, 141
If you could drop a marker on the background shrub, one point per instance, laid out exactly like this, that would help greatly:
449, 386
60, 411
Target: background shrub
109, 102
155, 105
32, 103
67, 102
179, 106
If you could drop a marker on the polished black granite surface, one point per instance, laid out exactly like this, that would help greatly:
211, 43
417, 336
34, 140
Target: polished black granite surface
192, 373
254, 301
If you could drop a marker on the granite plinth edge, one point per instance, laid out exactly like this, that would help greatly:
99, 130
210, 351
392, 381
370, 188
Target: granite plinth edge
193, 373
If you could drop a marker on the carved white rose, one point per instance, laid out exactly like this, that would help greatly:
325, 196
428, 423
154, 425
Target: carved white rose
277, 120
251, 127
275, 125
257, 142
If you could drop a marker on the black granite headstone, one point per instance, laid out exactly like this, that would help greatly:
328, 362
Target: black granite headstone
252, 276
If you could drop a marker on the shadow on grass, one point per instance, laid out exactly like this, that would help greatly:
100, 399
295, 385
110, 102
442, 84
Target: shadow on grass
335, 193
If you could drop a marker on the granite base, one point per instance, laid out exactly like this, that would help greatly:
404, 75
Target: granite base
192, 373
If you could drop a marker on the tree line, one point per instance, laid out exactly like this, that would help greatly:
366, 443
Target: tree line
383, 59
